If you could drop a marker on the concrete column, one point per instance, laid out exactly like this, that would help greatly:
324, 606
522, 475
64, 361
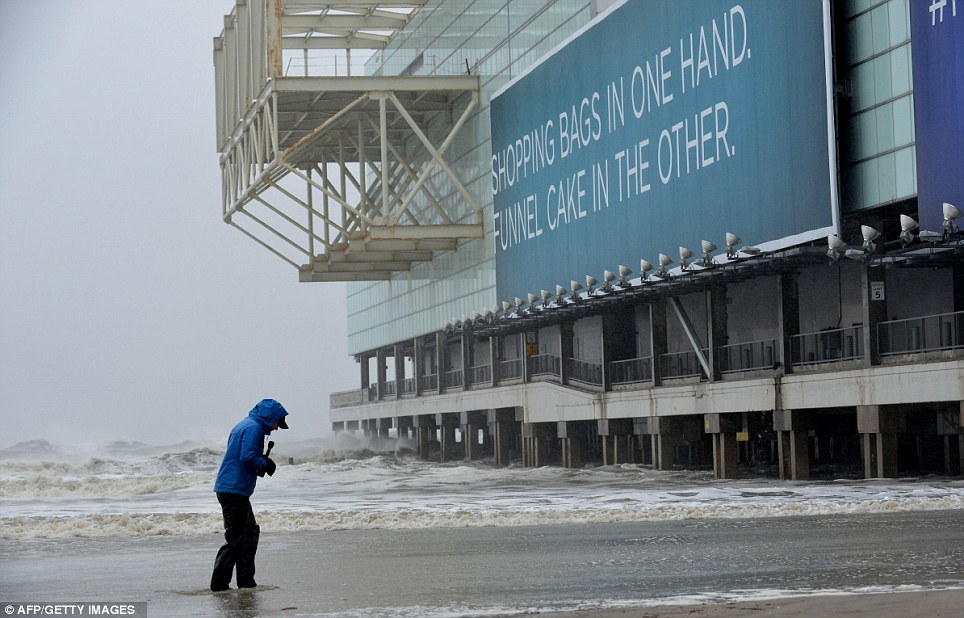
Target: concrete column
418, 358
424, 434
471, 422
495, 355
723, 427
879, 428
616, 435
501, 425
571, 437
365, 371
566, 347
382, 426
467, 357
659, 346
788, 318
403, 424
535, 443
441, 362
381, 371
874, 311
793, 444
716, 305
447, 423
665, 433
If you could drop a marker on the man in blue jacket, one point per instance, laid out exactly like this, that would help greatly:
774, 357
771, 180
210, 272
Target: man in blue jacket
243, 463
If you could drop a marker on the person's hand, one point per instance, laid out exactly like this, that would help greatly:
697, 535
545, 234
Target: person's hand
269, 470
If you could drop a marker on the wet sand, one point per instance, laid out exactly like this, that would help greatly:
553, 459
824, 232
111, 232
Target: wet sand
932, 604
564, 571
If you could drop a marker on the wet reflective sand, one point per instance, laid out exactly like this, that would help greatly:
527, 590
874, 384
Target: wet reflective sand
498, 571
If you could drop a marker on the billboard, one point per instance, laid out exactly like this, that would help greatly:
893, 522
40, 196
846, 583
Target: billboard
937, 42
658, 125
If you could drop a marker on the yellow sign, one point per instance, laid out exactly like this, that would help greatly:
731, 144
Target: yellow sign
743, 436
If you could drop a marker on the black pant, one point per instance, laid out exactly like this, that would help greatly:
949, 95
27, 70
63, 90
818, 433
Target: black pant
241, 533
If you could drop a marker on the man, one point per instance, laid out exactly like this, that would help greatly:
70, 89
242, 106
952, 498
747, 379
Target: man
243, 463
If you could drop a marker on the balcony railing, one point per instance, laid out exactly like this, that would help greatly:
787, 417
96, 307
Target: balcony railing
428, 383
632, 371
481, 374
544, 364
749, 356
680, 364
828, 346
930, 333
584, 371
452, 379
510, 369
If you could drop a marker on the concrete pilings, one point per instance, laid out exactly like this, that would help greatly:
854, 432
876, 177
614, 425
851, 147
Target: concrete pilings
795, 445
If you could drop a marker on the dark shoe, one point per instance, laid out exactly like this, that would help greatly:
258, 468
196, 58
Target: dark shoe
219, 587
250, 584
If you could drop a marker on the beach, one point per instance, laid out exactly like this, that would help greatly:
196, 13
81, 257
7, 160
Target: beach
851, 563
352, 533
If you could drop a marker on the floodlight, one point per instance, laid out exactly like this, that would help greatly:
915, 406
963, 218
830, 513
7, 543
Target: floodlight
732, 240
708, 249
835, 244
907, 225
951, 214
664, 261
560, 295
644, 268
684, 256
519, 303
546, 295
575, 286
623, 273
608, 281
590, 282
870, 235
506, 305
533, 299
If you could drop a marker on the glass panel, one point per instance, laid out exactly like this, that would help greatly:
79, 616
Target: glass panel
868, 134
903, 122
865, 37
882, 80
904, 170
870, 189
888, 179
885, 127
899, 21
900, 70
881, 26
864, 86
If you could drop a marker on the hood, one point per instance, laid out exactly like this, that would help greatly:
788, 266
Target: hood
268, 412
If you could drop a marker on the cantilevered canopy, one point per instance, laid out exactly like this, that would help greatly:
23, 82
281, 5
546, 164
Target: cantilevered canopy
339, 176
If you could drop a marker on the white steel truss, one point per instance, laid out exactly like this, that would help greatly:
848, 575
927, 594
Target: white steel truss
344, 178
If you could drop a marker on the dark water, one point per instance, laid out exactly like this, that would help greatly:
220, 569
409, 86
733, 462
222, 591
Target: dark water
497, 571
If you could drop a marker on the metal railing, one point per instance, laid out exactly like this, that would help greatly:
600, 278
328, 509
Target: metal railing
408, 386
481, 374
929, 333
749, 356
428, 383
828, 346
510, 369
452, 379
584, 371
680, 364
632, 371
544, 364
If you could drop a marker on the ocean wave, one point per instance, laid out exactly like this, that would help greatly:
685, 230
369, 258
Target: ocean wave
149, 524
49, 486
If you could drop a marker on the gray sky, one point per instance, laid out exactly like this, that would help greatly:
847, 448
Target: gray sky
128, 309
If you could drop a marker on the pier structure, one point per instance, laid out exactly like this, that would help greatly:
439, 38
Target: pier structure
850, 379
491, 152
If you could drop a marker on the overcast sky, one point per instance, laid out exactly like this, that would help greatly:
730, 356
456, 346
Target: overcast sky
128, 309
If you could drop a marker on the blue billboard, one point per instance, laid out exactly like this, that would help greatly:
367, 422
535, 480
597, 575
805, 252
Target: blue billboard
661, 124
937, 41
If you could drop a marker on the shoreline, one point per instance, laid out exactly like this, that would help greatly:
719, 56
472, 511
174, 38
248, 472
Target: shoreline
890, 604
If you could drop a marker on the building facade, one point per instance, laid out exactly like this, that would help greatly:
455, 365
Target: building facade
831, 342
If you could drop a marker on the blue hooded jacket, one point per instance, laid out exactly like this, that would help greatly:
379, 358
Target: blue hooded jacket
243, 459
